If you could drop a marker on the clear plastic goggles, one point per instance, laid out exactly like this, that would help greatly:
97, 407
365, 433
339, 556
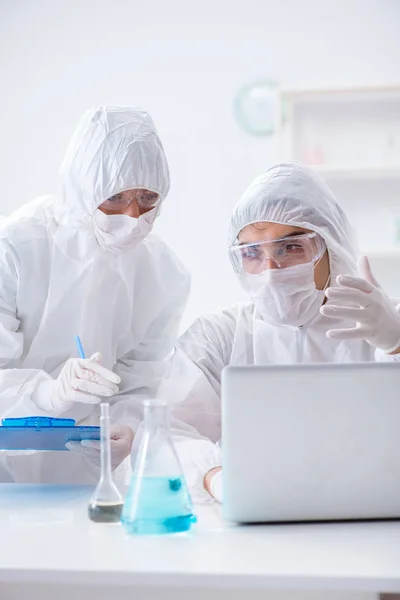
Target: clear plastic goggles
145, 199
289, 251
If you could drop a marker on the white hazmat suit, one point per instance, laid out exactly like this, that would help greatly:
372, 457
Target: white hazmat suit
62, 275
288, 194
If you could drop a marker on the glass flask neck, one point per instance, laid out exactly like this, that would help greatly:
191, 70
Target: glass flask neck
156, 416
105, 450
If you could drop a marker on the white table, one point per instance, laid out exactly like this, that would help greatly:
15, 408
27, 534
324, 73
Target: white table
49, 549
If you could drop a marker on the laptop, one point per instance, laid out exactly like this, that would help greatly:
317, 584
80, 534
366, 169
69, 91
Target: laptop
311, 442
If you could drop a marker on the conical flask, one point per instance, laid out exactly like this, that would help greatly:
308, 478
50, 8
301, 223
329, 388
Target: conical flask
158, 501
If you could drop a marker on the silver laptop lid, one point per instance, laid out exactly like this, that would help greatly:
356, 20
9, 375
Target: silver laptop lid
313, 442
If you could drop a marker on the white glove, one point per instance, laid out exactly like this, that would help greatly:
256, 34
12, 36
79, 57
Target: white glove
215, 486
81, 380
121, 438
363, 301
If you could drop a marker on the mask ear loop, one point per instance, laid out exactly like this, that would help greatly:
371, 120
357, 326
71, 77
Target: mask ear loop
329, 274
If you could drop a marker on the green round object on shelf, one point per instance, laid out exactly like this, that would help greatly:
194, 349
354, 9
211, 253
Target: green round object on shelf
255, 108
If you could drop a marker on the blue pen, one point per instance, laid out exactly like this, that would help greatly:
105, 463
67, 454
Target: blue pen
79, 346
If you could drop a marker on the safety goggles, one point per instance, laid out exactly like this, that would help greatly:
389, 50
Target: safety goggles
145, 199
285, 252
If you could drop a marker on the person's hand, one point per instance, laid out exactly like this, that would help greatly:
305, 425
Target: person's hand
82, 380
121, 439
213, 483
361, 299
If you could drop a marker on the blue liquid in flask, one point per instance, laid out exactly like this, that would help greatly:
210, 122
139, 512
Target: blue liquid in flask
163, 505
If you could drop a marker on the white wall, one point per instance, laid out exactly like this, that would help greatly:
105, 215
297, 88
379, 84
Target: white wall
184, 61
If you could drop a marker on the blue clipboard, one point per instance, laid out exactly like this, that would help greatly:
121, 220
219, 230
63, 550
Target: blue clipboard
43, 433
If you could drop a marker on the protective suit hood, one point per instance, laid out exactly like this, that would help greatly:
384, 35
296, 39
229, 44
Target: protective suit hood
113, 149
292, 194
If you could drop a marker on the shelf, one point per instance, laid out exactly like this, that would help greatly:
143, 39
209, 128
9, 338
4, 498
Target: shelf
366, 90
390, 253
358, 172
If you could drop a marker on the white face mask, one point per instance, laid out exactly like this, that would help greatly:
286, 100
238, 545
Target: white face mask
121, 232
285, 296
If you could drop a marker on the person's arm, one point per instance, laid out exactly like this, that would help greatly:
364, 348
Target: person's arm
33, 392
200, 458
193, 390
16, 385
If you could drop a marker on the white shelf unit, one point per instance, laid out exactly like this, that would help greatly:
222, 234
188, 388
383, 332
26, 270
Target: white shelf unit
357, 172
351, 136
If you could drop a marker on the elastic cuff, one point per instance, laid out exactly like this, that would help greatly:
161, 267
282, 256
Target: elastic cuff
41, 396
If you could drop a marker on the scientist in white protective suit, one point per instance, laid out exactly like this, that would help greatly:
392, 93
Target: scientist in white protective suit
293, 250
84, 262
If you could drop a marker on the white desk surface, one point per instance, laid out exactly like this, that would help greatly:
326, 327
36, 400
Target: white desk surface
46, 537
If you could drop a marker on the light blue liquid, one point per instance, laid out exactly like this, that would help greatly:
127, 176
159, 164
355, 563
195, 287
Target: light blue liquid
163, 506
